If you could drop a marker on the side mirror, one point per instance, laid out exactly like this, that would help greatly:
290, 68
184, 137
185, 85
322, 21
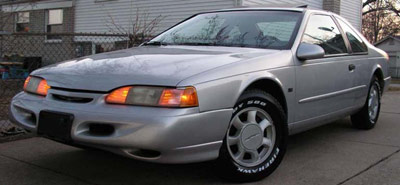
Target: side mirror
310, 51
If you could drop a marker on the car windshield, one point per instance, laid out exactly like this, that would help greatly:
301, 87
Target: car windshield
257, 29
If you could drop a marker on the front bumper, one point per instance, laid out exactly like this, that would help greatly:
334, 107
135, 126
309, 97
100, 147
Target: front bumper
179, 135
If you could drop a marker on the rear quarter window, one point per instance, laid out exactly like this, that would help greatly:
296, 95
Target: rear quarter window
356, 43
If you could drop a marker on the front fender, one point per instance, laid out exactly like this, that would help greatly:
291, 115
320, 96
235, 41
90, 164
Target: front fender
224, 93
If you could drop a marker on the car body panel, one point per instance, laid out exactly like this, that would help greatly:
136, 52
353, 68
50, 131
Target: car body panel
315, 91
323, 86
159, 66
173, 132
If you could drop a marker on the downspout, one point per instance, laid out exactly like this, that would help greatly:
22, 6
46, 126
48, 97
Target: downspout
74, 16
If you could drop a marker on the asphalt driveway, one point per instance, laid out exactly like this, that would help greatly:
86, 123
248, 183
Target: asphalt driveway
331, 154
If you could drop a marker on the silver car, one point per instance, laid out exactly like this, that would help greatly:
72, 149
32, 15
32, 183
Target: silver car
228, 85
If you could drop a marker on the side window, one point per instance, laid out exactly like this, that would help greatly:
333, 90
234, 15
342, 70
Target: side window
54, 23
356, 43
22, 24
322, 30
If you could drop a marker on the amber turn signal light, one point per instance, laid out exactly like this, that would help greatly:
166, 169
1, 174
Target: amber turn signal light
179, 97
42, 87
118, 96
27, 82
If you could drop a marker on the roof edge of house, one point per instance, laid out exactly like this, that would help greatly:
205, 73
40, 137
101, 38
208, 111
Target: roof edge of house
386, 38
20, 2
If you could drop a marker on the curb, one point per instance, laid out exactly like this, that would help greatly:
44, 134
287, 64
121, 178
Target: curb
394, 87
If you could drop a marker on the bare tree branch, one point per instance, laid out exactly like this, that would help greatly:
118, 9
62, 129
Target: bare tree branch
368, 2
141, 27
380, 19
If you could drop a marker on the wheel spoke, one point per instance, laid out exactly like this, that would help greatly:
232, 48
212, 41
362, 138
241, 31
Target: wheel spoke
373, 103
264, 124
240, 154
267, 142
238, 123
233, 140
255, 156
251, 116
244, 126
375, 109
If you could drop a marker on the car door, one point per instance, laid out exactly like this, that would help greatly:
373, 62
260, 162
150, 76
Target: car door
359, 57
324, 85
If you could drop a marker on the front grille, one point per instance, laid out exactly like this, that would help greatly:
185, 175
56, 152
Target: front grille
71, 99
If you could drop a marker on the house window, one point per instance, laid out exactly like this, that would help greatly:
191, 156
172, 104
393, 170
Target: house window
22, 22
54, 23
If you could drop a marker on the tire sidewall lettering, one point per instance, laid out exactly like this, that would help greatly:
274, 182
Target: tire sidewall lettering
273, 157
263, 166
250, 102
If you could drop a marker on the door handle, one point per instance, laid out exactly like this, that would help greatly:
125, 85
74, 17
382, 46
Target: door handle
352, 67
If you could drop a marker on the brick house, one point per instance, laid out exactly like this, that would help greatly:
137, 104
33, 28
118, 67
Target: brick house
50, 17
41, 17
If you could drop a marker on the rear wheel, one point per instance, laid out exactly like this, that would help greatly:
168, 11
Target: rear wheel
367, 117
256, 140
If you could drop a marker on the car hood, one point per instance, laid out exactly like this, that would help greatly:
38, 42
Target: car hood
150, 65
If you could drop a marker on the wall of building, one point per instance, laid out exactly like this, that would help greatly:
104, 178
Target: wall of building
102, 16
392, 48
332, 6
351, 10
314, 4
37, 45
37, 21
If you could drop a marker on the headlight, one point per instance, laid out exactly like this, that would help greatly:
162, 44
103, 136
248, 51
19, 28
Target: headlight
36, 85
154, 96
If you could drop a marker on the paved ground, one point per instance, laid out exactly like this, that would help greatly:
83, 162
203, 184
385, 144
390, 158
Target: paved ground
332, 154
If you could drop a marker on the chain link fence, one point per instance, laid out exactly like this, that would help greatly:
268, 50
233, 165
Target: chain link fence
21, 53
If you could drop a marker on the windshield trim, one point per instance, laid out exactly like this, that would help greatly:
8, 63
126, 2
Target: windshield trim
287, 47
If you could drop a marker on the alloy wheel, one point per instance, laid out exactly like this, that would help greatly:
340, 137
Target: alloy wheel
373, 103
251, 137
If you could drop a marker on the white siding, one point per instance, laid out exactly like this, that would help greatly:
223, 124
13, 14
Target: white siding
392, 48
91, 16
351, 10
314, 4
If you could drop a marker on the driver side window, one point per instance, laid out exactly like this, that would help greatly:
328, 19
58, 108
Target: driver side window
322, 30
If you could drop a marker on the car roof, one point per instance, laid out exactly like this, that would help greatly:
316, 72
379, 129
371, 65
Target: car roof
260, 8
265, 8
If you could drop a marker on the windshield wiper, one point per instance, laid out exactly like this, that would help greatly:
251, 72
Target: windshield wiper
197, 44
155, 43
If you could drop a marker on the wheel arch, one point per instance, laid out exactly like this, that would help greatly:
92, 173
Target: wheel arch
270, 85
378, 72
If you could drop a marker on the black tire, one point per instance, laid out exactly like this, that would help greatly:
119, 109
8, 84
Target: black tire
362, 119
233, 171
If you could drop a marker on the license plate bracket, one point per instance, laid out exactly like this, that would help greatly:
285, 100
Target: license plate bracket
55, 125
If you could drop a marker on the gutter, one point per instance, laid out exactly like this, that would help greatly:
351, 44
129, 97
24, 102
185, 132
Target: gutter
20, 2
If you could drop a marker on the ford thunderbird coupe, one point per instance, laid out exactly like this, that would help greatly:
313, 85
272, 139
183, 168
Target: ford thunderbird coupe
228, 86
